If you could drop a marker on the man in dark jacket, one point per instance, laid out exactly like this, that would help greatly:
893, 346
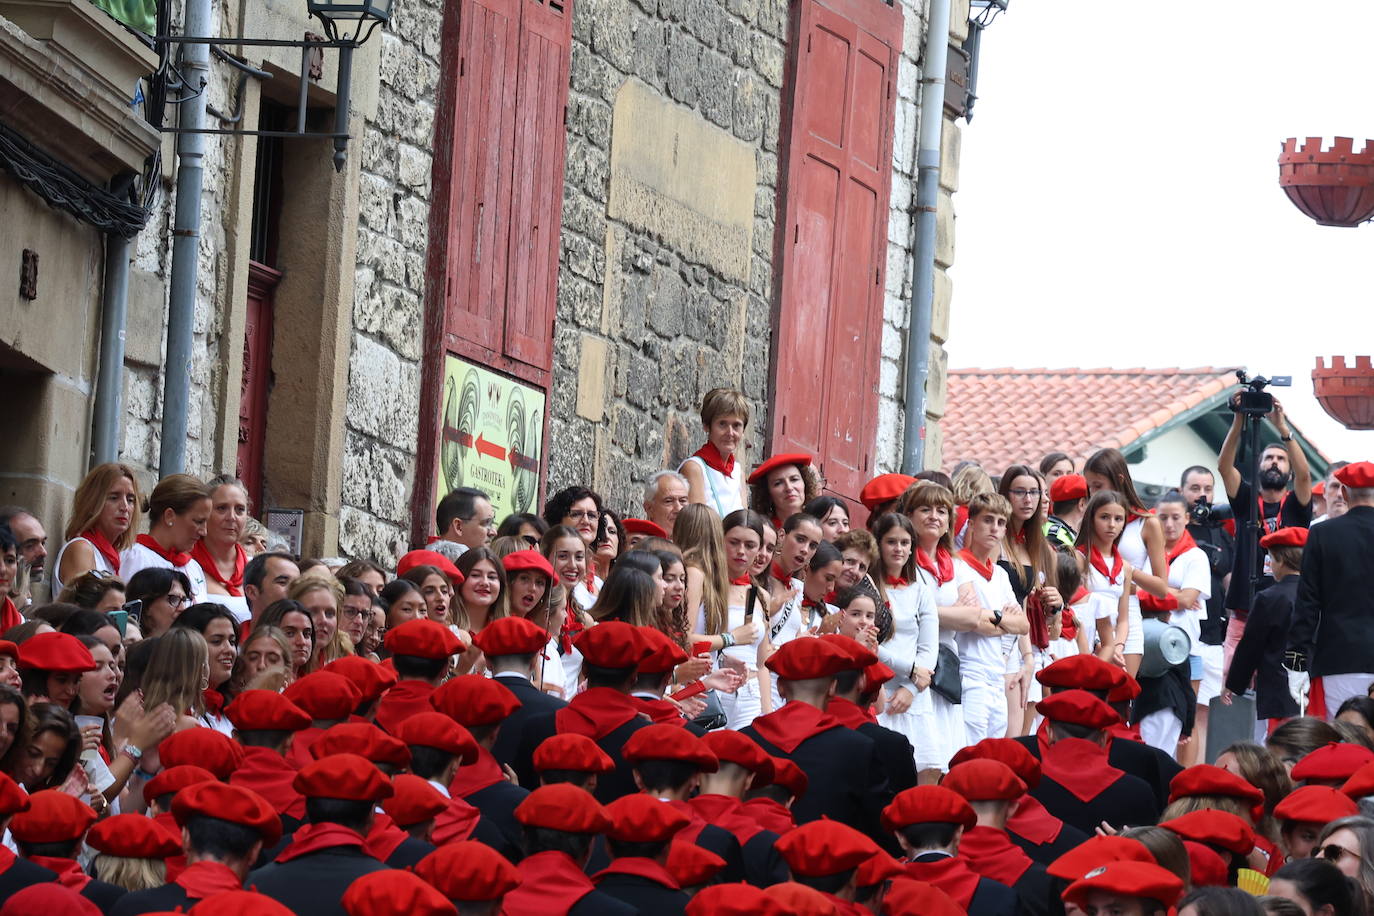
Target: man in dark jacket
641, 830
49, 834
512, 645
1259, 654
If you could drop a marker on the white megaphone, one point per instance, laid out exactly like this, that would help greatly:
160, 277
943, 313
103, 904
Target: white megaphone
1165, 646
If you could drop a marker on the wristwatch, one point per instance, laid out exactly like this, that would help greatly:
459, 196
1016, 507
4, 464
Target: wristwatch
997, 619
134, 752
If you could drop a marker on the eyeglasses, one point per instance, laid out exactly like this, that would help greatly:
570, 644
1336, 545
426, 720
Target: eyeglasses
1025, 494
176, 601
1334, 853
530, 539
349, 613
590, 515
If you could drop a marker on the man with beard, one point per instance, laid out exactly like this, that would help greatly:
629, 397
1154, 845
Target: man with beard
1281, 464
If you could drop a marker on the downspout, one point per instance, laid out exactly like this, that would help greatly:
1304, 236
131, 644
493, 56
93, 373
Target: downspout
181, 308
109, 376
933, 64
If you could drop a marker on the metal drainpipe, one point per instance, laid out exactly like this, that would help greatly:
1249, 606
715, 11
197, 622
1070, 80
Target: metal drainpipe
923, 253
181, 309
109, 384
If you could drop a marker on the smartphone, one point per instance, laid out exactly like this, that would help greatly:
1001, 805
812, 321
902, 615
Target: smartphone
134, 610
120, 619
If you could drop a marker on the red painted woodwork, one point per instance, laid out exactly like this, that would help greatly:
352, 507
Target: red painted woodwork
1345, 392
833, 232
257, 377
1335, 187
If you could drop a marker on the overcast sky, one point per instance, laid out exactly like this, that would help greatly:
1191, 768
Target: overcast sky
1119, 203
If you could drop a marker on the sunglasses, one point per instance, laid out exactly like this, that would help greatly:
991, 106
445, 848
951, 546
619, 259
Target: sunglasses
1334, 853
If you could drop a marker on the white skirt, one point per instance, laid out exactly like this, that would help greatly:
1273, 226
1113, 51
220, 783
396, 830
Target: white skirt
933, 725
741, 707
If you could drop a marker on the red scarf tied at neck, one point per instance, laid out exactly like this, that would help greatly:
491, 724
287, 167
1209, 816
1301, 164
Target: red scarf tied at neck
941, 568
233, 584
69, 872
175, 557
895, 581
315, 837
981, 567
205, 879
596, 712
711, 457
794, 723
1185, 544
104, 548
992, 854
1100, 564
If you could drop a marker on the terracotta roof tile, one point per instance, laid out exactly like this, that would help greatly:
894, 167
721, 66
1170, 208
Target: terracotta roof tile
1004, 416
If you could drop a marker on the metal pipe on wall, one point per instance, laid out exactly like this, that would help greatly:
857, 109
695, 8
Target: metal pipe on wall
109, 379
933, 63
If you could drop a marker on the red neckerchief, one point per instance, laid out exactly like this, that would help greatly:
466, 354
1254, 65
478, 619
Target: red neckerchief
1270, 525
591, 580
175, 557
896, 581
1068, 625
299, 754
992, 854
1100, 564
848, 713
1125, 732
104, 548
776, 523
1078, 765
727, 812
1031, 821
710, 456
270, 775
69, 873
9, 614
550, 883
384, 838
742, 580
951, 875
661, 712
789, 726
777, 572
483, 773
403, 700
941, 568
234, 584
640, 867
770, 815
1185, 543
572, 626
314, 837
596, 712
214, 701
981, 568
455, 823
960, 518
1021, 536
1274, 854
205, 879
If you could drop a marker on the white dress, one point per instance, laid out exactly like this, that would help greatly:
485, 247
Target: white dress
1133, 551
1103, 598
139, 557
101, 564
724, 494
983, 659
744, 705
947, 717
914, 642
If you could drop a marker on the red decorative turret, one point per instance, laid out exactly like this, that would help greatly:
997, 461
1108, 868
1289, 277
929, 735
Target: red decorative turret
1346, 392
1335, 187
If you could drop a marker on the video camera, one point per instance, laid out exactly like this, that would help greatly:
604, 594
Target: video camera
1208, 514
1252, 400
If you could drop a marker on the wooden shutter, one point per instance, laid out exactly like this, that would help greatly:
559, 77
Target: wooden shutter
835, 213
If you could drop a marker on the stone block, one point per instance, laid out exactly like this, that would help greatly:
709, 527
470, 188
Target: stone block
704, 20
364, 535
734, 42
651, 52
374, 201
937, 381
667, 304
944, 231
684, 60
392, 314
591, 377
414, 169
375, 479
383, 390
715, 88
768, 59
146, 322
611, 35
750, 101
940, 306
894, 342
951, 140
641, 379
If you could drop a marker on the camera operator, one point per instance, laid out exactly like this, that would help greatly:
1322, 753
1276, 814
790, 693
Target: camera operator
1208, 524
1281, 464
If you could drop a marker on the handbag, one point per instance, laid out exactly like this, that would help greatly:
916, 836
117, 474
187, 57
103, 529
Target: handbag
946, 680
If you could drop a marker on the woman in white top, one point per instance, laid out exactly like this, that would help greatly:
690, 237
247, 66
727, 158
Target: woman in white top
178, 512
220, 555
1106, 574
744, 629
566, 551
579, 509
715, 476
103, 524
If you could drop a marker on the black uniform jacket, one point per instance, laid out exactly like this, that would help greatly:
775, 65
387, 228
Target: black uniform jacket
314, 884
533, 704
1259, 654
1333, 620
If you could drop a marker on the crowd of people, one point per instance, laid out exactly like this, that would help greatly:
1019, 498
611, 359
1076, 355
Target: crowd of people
962, 694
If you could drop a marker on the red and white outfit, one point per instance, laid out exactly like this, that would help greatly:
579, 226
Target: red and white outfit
235, 602
983, 659
745, 705
1133, 550
106, 558
147, 553
1105, 581
914, 643
724, 479
946, 718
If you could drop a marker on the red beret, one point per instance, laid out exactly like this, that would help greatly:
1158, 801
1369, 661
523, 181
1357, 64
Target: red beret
422, 638
343, 776
731, 746
1124, 692
660, 654
236, 903
805, 659
611, 645
413, 801
1216, 828
1333, 763
733, 900
429, 558
644, 819
984, 780
1094, 851
325, 695
875, 676
1284, 537
800, 900
55, 652
436, 730
9, 649
567, 751
1013, 753
790, 776
1361, 783
669, 742
877, 869
779, 461
1081, 672
884, 488
133, 836
234, 804
364, 739
12, 798
469, 872
529, 561
1206, 866
907, 895
205, 747
1315, 804
690, 865
928, 805
641, 526
473, 700
395, 892
266, 710
49, 898
861, 656
1319, 488
173, 779
824, 847
371, 679
1357, 476
511, 636
52, 817
1129, 879
1205, 779
563, 807
1078, 707
1067, 487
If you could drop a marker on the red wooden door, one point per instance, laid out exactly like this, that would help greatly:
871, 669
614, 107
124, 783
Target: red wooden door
834, 236
256, 381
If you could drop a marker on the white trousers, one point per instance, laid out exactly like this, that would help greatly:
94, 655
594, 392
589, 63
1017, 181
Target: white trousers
1341, 687
741, 707
985, 712
1161, 729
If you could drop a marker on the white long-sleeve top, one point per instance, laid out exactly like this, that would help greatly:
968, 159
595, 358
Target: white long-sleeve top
915, 639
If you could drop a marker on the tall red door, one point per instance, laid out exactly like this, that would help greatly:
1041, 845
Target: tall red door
257, 381
833, 231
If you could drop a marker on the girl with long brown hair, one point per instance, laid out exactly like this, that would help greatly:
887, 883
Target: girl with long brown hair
747, 616
1106, 574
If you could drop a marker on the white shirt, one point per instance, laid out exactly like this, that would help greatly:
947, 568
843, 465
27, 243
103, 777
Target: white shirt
139, 557
984, 658
1190, 569
915, 631
724, 494
101, 565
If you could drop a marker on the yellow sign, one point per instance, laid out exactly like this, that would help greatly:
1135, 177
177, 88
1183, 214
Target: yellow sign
491, 437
